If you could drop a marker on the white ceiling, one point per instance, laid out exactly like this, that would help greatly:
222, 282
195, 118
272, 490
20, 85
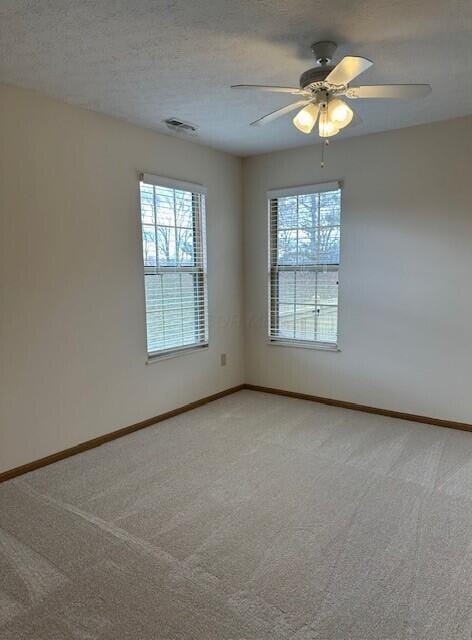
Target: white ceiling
146, 60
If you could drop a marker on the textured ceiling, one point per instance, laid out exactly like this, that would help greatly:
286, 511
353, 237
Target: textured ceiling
145, 60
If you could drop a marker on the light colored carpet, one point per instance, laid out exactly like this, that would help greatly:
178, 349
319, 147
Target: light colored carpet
253, 517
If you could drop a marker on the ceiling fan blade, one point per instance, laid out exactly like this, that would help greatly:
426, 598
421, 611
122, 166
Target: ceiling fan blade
279, 112
261, 87
349, 68
399, 91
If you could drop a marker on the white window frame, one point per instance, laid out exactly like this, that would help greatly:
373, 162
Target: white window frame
274, 194
200, 269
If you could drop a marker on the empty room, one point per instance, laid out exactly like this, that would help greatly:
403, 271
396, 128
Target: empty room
235, 320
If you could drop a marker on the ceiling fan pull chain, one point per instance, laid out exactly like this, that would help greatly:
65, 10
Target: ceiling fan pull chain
324, 152
325, 143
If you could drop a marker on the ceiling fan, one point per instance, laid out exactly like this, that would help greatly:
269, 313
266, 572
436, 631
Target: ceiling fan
321, 88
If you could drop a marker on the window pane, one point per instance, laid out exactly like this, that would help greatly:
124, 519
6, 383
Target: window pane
308, 246
287, 247
306, 287
166, 246
171, 293
184, 239
172, 329
155, 331
286, 286
164, 206
330, 208
147, 204
328, 245
327, 324
153, 287
188, 284
183, 209
287, 213
327, 288
189, 325
286, 321
149, 246
305, 322
308, 210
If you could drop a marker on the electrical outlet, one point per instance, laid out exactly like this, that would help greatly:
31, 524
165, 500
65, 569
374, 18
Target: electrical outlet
223, 359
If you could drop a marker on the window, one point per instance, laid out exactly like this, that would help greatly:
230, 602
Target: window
304, 264
174, 253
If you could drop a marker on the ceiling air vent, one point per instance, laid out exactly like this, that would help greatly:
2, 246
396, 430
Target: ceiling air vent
181, 127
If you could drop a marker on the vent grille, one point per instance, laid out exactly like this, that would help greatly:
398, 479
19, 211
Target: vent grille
177, 125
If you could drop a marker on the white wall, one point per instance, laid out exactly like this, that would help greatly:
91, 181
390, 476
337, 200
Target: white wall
72, 332
405, 297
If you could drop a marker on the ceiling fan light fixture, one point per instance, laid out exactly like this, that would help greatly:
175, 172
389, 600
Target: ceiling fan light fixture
306, 118
340, 114
320, 86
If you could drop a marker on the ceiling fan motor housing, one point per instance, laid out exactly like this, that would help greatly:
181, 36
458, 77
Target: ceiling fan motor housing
314, 75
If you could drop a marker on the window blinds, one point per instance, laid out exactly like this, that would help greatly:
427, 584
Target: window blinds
174, 256
304, 241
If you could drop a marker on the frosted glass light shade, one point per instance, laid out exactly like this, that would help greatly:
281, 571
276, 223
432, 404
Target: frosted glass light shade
305, 119
340, 113
326, 128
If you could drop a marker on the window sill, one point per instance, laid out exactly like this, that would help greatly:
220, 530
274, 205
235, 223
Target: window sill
176, 353
318, 346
